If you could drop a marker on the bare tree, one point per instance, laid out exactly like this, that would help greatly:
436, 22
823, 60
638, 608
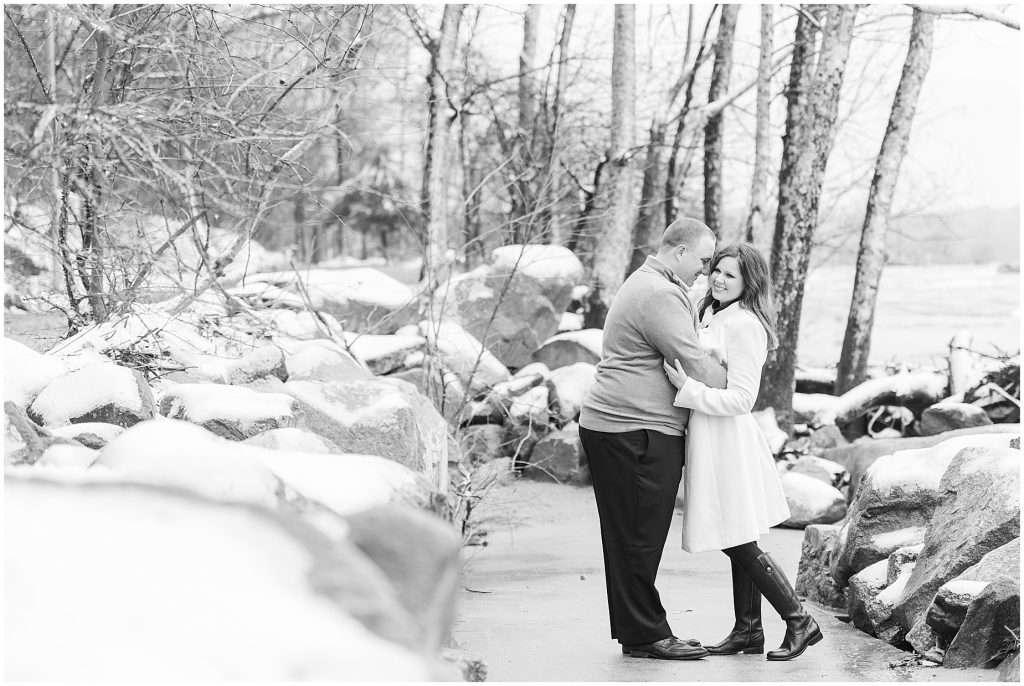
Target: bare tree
759, 180
523, 198
853, 361
816, 78
714, 128
616, 206
435, 160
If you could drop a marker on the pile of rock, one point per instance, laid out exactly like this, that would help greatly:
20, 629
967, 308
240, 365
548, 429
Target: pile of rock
928, 555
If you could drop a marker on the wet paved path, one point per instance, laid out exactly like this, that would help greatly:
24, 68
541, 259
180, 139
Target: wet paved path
533, 605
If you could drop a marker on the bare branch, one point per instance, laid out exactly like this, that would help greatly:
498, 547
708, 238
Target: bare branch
972, 10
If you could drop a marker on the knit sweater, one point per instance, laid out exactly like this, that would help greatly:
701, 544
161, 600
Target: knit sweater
651, 319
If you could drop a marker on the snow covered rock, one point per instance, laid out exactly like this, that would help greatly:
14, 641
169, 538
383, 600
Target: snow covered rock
915, 391
857, 457
385, 354
867, 613
811, 501
806, 406
419, 555
98, 392
949, 607
230, 411
460, 352
293, 439
826, 437
556, 269
902, 560
149, 564
530, 407
322, 360
826, 471
895, 503
381, 416
813, 580
27, 372
509, 314
90, 434
978, 511
67, 456
569, 348
991, 628
569, 386
362, 298
558, 457
946, 416
263, 362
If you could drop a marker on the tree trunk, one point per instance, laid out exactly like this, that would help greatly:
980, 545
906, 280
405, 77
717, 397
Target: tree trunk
615, 221
762, 142
553, 189
713, 129
523, 196
853, 362
813, 97
652, 196
435, 159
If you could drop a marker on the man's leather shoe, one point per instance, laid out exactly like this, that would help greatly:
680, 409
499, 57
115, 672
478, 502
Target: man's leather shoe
688, 641
670, 648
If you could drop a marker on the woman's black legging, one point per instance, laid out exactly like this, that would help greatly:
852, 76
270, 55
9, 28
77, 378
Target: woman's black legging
744, 554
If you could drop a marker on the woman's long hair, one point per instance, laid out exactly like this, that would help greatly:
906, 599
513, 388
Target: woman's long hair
757, 286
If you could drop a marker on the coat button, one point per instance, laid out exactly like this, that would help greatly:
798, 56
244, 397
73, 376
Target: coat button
768, 569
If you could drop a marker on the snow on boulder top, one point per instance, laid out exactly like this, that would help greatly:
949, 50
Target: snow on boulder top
164, 584
371, 346
539, 261
180, 454
27, 372
924, 467
96, 385
361, 284
462, 353
588, 338
203, 402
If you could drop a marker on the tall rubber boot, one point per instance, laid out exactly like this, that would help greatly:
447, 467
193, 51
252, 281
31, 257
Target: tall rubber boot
801, 629
747, 635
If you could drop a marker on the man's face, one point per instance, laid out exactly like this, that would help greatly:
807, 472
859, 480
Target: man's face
692, 262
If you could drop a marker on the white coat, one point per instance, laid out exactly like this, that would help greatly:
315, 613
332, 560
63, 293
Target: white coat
732, 493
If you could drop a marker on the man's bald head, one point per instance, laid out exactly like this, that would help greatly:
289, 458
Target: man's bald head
684, 231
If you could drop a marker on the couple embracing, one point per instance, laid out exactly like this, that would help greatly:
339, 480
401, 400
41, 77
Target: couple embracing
676, 383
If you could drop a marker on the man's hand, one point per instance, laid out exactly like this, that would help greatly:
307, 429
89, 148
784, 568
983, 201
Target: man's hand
675, 374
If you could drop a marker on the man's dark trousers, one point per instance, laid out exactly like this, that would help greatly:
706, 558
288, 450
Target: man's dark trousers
636, 476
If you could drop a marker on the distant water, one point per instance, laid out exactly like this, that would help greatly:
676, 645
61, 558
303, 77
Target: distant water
919, 309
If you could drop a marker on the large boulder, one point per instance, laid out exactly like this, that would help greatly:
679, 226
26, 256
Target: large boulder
382, 416
895, 503
98, 392
361, 298
513, 304
857, 457
419, 554
947, 416
979, 511
569, 386
27, 372
813, 580
264, 362
149, 563
570, 348
230, 411
1003, 561
558, 457
990, 630
1009, 668
811, 501
483, 443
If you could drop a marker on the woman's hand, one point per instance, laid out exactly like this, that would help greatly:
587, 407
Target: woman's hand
675, 374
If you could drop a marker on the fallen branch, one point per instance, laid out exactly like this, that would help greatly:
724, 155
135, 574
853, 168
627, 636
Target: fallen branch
913, 391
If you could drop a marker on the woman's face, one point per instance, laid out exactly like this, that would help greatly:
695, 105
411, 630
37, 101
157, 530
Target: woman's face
726, 281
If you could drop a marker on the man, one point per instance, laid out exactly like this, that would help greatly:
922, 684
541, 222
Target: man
633, 436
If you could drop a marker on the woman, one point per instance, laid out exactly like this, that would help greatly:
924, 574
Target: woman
732, 492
